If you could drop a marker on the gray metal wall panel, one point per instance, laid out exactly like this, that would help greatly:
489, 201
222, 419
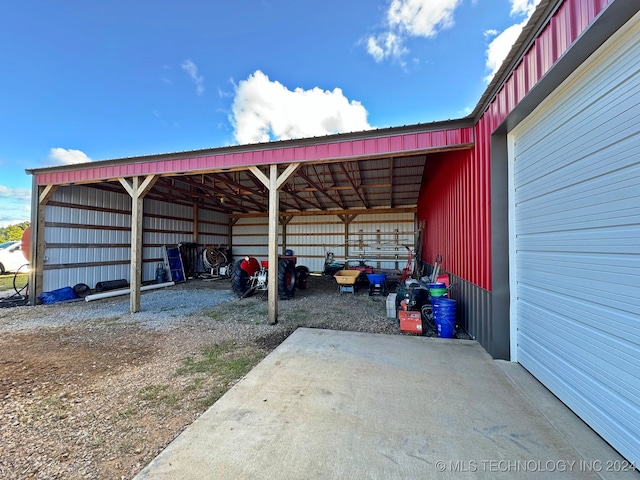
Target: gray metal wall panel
474, 313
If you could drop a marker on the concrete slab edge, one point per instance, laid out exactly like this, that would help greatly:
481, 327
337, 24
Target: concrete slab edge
586, 442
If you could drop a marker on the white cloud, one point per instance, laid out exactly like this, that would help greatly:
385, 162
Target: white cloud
15, 193
265, 110
192, 70
410, 18
15, 205
421, 18
67, 157
386, 45
499, 47
523, 7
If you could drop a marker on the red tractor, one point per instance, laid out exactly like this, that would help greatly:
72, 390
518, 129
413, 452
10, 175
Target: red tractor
249, 276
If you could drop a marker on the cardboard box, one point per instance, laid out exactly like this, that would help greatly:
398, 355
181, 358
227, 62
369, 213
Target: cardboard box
410, 321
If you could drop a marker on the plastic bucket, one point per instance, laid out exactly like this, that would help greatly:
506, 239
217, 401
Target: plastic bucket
446, 328
444, 316
437, 289
376, 278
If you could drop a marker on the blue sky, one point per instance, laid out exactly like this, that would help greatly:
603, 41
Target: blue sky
87, 80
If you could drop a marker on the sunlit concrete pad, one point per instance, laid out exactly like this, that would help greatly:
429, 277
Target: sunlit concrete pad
345, 405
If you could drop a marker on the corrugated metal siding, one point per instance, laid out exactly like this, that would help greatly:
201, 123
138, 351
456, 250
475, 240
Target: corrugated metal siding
473, 309
213, 228
576, 210
454, 203
455, 195
85, 228
567, 24
389, 144
251, 238
311, 237
88, 235
379, 239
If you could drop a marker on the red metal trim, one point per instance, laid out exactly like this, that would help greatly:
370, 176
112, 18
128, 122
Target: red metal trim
353, 149
455, 194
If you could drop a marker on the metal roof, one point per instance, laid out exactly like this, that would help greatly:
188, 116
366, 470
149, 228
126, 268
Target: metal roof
372, 169
379, 169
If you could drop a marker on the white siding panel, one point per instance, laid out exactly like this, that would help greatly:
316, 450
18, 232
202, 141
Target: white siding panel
312, 236
576, 249
72, 243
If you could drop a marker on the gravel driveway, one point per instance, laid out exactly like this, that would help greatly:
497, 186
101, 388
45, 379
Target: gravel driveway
92, 391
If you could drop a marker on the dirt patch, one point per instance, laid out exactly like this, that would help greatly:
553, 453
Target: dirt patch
89, 394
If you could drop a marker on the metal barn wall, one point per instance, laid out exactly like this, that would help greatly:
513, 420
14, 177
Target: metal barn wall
373, 237
455, 199
88, 235
251, 238
311, 237
380, 239
455, 206
170, 224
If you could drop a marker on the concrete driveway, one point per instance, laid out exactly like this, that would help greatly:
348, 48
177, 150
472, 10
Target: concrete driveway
344, 405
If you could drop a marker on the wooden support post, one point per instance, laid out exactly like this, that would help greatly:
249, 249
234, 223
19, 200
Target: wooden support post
347, 219
38, 245
284, 221
274, 199
137, 190
273, 183
196, 226
378, 240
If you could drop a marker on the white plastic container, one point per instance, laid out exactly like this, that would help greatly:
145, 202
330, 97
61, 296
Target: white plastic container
391, 306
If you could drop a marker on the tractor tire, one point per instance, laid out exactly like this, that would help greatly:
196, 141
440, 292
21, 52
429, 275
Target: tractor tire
301, 277
286, 279
240, 281
230, 268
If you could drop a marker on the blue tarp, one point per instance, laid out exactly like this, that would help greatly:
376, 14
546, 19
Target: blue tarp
59, 295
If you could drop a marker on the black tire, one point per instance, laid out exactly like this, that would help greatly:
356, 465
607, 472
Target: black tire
301, 277
230, 269
240, 281
286, 279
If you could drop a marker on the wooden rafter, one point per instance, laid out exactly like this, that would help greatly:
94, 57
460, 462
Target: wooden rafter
352, 181
319, 189
391, 202
301, 199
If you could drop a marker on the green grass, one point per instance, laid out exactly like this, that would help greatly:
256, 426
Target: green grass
226, 360
6, 281
250, 309
220, 364
298, 315
159, 394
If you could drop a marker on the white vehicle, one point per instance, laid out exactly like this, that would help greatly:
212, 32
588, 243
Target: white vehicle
11, 257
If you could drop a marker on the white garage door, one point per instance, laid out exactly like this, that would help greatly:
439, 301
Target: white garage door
575, 242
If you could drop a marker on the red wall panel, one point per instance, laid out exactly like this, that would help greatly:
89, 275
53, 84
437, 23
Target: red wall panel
454, 205
455, 196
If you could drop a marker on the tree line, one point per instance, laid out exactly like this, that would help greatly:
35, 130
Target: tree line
13, 232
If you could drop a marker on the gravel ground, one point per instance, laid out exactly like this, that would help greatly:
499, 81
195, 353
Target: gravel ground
92, 391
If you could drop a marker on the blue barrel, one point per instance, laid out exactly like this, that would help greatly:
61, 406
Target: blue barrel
444, 316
